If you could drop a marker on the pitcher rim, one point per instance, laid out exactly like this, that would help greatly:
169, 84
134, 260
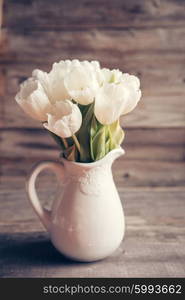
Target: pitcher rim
89, 164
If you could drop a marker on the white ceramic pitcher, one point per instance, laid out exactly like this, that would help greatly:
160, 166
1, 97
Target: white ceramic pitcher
86, 223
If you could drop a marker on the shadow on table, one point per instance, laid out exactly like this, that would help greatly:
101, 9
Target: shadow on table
33, 249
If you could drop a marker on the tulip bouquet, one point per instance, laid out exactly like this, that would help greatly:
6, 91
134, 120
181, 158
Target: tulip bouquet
80, 104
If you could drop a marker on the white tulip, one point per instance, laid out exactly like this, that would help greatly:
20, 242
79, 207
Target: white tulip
67, 65
113, 92
65, 119
33, 100
78, 80
133, 85
53, 83
110, 102
111, 76
118, 95
81, 81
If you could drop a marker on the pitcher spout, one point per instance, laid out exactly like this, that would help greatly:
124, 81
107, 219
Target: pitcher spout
115, 153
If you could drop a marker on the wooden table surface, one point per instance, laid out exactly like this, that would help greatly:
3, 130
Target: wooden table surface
153, 244
146, 38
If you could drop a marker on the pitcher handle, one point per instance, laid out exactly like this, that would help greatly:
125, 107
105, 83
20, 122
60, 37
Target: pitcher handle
43, 213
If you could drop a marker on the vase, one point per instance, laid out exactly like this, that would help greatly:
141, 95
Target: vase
86, 221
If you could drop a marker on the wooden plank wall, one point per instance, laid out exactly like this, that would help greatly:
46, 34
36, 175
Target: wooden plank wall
143, 37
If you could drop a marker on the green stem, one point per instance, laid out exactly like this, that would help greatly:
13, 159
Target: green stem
65, 142
76, 142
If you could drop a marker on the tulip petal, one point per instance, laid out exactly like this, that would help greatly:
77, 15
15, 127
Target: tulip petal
81, 83
132, 101
65, 119
33, 100
57, 75
110, 102
43, 78
53, 83
133, 85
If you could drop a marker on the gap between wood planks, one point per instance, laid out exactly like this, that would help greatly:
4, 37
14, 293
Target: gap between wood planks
54, 14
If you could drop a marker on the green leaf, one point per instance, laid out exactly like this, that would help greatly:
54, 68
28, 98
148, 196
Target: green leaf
98, 144
95, 139
70, 153
116, 134
94, 127
107, 140
83, 134
104, 138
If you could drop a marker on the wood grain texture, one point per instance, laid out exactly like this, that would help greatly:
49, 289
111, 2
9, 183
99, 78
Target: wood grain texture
1, 15
150, 157
130, 173
167, 144
165, 110
153, 245
158, 59
160, 207
26, 254
143, 37
151, 112
84, 14
54, 45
